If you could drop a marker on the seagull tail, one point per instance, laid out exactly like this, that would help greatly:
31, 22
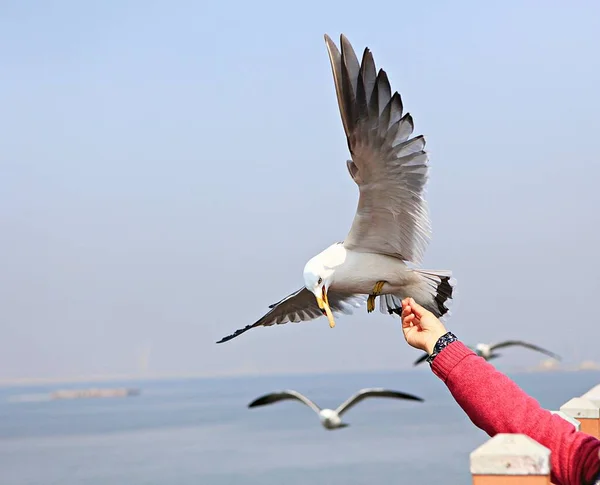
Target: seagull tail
434, 291
438, 291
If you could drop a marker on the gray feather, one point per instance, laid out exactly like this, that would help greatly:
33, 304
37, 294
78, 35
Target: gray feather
389, 167
369, 74
301, 306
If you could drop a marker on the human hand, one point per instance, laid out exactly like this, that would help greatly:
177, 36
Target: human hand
421, 328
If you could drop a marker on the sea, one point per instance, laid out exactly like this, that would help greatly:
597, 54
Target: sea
201, 432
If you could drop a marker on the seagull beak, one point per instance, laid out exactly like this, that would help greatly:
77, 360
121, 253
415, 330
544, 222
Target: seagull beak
324, 306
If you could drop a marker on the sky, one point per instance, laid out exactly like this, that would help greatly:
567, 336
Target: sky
164, 167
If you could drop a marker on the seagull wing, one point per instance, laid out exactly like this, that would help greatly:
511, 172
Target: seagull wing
374, 392
389, 167
421, 359
302, 306
283, 396
520, 343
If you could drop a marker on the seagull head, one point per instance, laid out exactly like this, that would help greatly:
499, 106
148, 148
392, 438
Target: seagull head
317, 278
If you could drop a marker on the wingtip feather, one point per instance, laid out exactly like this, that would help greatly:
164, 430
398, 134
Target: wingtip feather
235, 334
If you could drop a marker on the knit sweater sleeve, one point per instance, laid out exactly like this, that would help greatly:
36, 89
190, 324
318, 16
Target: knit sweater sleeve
496, 404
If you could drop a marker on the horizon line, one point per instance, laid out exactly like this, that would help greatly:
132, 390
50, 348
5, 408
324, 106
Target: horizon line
31, 381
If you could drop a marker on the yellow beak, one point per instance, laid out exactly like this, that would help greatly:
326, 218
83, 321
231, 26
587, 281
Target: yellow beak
324, 305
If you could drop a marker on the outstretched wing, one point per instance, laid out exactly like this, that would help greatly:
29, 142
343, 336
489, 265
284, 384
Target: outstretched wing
520, 343
302, 306
389, 167
421, 359
374, 392
283, 396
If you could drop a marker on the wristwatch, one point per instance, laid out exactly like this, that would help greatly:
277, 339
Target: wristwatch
441, 344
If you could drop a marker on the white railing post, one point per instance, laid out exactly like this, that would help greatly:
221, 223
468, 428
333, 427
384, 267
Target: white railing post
511, 459
586, 412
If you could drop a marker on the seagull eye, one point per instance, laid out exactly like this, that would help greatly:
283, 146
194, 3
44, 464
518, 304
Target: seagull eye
320, 281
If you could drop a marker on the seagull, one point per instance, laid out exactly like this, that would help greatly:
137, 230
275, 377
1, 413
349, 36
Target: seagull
487, 350
331, 419
391, 227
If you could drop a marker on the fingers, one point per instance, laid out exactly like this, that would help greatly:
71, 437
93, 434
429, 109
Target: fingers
415, 329
417, 309
408, 321
407, 316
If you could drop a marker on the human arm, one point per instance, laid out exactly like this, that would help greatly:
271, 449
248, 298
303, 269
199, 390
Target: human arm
475, 384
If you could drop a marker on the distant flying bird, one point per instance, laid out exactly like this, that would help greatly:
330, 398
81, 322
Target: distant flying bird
487, 351
329, 418
391, 226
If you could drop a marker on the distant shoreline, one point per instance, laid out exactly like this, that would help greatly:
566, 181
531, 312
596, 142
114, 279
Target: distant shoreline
36, 381
26, 381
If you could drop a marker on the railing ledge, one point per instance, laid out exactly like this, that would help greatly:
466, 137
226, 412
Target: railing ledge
586, 412
510, 454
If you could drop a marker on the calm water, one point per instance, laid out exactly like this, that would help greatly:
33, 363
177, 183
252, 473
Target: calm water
200, 432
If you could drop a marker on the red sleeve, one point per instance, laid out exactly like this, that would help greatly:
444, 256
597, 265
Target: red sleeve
497, 405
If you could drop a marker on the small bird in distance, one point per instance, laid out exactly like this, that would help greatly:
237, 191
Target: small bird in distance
330, 418
487, 351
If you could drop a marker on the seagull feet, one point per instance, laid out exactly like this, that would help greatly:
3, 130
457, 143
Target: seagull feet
374, 294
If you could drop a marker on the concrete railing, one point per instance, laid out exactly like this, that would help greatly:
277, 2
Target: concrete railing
516, 459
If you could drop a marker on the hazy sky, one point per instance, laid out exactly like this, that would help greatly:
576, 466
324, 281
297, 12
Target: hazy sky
164, 166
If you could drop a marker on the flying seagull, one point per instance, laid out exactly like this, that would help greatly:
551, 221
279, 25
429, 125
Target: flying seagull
391, 227
329, 418
487, 350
